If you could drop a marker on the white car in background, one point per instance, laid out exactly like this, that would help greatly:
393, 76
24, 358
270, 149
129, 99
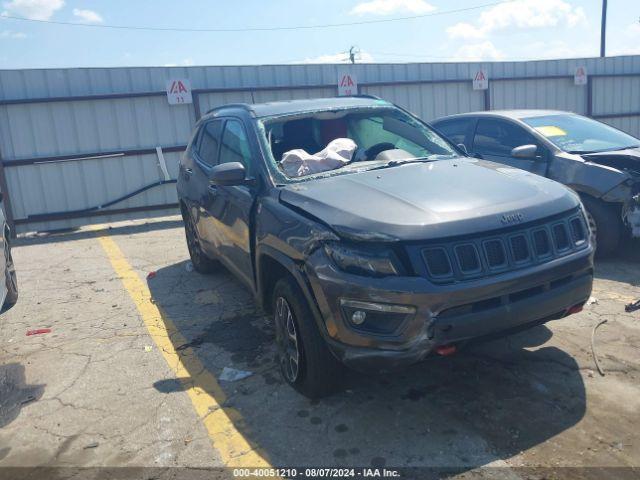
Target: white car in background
8, 288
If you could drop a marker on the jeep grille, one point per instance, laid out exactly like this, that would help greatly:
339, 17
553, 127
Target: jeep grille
454, 260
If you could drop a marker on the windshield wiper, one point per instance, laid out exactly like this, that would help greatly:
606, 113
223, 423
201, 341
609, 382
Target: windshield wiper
623, 148
395, 163
589, 152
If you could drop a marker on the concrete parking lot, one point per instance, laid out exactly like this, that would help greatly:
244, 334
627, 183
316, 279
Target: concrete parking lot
130, 375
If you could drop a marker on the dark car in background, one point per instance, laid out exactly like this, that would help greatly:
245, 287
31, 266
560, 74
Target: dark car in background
596, 160
384, 242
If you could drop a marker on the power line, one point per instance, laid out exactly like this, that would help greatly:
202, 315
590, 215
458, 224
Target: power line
254, 29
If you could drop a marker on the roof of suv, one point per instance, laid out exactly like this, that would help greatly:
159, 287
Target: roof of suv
307, 105
516, 114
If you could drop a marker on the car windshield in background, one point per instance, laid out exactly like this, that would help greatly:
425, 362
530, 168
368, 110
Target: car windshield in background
348, 140
576, 134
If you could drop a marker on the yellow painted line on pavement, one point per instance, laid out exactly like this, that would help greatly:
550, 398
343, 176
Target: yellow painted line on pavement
203, 389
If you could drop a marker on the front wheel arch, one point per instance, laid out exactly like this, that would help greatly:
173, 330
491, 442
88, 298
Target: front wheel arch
608, 220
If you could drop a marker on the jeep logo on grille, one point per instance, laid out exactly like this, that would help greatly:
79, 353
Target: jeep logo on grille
508, 218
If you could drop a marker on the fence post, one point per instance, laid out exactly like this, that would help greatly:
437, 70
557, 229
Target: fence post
195, 96
6, 199
589, 96
487, 98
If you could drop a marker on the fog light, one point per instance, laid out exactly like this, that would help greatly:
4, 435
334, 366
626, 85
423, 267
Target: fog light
381, 318
358, 317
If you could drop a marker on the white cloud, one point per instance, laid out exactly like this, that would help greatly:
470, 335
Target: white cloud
465, 31
388, 7
520, 14
187, 62
361, 57
544, 49
88, 16
477, 52
33, 9
632, 30
13, 35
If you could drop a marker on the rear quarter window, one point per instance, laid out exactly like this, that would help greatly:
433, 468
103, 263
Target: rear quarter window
209, 142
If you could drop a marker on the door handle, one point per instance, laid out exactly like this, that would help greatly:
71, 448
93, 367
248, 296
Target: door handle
186, 173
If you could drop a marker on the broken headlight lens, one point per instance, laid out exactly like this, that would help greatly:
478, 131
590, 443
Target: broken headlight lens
374, 263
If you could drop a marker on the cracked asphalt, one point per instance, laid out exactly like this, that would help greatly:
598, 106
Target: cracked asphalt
97, 391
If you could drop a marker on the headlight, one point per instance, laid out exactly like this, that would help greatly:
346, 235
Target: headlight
375, 263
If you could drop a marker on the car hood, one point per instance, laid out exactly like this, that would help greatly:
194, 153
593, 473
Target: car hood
421, 201
626, 160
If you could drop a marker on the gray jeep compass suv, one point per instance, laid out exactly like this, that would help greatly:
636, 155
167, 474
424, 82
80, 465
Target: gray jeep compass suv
372, 240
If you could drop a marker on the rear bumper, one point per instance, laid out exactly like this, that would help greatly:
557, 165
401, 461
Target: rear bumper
444, 315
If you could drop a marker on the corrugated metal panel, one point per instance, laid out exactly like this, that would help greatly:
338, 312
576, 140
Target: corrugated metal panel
64, 186
431, 100
90, 81
558, 94
91, 126
616, 95
48, 129
213, 100
262, 96
631, 125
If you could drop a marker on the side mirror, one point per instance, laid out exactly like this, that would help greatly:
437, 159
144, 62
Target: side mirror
228, 174
527, 152
463, 147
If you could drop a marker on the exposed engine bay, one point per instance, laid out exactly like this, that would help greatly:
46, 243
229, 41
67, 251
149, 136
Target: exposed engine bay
626, 161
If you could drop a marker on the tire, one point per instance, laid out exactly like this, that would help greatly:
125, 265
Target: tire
11, 279
317, 372
605, 219
201, 262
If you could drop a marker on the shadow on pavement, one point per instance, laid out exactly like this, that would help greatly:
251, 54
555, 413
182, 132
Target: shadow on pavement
483, 405
67, 235
624, 266
14, 394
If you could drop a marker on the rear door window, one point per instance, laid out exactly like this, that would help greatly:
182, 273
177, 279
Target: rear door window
210, 142
498, 137
455, 130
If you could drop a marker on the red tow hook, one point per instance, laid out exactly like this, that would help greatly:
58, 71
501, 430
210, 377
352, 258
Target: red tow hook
446, 350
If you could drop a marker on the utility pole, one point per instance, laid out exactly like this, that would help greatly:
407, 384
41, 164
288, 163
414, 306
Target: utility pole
603, 29
352, 54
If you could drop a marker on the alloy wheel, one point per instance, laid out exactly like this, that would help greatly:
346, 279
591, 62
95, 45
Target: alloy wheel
287, 340
193, 243
593, 229
10, 268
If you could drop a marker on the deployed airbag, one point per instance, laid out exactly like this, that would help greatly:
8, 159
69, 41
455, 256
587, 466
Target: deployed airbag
297, 163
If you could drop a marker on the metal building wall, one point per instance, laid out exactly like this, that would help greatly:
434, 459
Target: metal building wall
553, 93
52, 120
431, 100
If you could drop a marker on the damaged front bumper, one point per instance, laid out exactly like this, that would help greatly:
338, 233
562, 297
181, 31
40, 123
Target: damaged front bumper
631, 215
628, 194
421, 316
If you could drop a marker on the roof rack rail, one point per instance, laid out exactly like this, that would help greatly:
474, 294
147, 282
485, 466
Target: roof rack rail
245, 106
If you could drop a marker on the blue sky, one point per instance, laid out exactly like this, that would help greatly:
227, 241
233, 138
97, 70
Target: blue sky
515, 30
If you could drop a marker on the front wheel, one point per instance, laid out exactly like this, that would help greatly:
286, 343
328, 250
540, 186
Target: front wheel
303, 355
11, 279
605, 225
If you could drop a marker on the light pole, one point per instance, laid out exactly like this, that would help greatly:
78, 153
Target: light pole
603, 28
